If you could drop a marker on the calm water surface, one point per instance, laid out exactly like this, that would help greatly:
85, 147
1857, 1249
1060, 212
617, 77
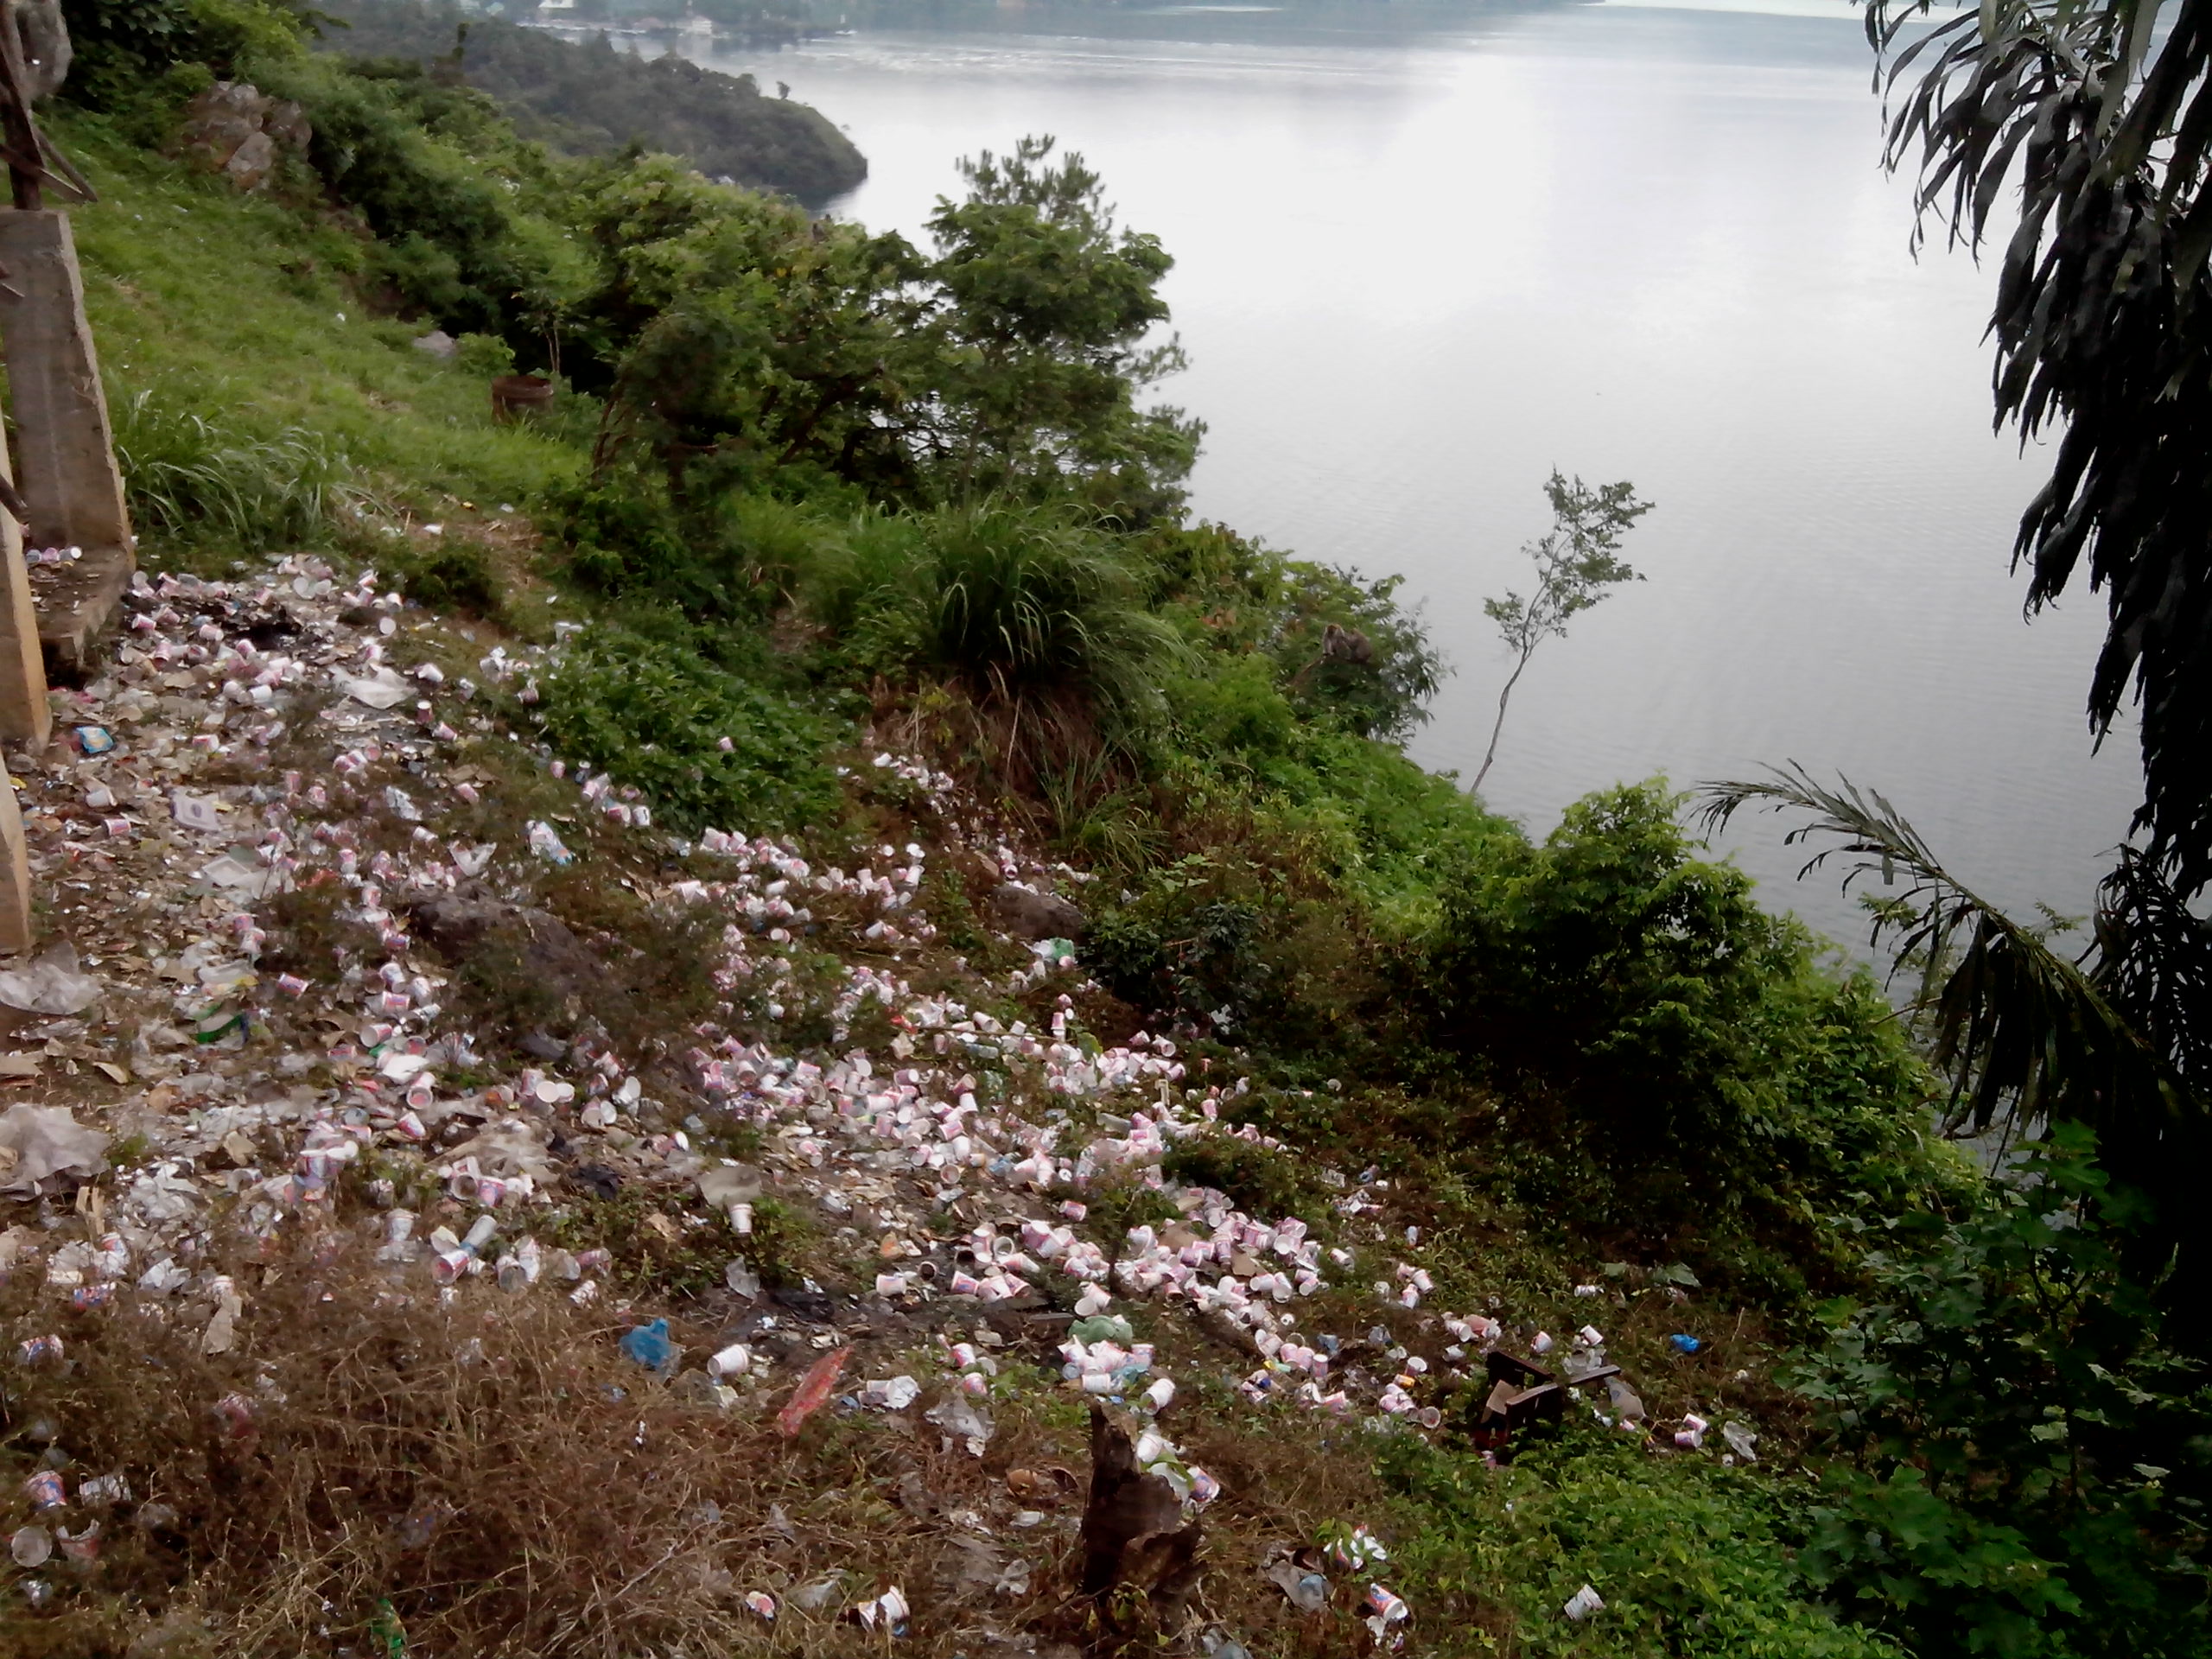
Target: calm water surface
1416, 271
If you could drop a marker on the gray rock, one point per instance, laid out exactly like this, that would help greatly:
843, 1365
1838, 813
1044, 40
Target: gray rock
1029, 914
438, 344
46, 51
237, 129
252, 161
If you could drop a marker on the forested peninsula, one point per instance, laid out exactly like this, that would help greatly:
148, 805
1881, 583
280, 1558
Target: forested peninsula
591, 97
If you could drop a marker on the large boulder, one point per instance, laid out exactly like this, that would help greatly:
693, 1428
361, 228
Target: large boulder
240, 130
1026, 913
46, 45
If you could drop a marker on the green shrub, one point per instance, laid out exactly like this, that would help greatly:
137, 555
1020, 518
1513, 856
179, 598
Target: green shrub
653, 714
123, 48
1667, 1050
1037, 615
2023, 1463
1691, 1559
453, 575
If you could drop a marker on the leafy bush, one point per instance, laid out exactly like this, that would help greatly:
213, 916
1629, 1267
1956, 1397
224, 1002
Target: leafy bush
1666, 1051
123, 48
1691, 1559
2024, 1461
654, 715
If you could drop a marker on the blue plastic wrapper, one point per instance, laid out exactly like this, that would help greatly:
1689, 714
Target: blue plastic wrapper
649, 1345
1685, 1344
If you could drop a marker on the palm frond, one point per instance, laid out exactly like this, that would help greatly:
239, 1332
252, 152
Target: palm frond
2098, 114
2025, 1035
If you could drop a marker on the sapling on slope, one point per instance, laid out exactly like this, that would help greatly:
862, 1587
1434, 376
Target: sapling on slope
1575, 562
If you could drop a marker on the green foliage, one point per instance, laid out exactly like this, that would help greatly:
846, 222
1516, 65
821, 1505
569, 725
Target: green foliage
774, 342
1670, 1047
484, 354
1690, 1559
653, 715
2096, 120
2113, 1042
1035, 614
123, 48
1047, 312
453, 575
2023, 1462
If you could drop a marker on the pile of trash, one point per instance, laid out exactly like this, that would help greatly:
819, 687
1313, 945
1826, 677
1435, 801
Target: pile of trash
289, 733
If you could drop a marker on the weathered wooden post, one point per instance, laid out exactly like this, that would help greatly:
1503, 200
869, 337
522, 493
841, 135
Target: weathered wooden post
70, 493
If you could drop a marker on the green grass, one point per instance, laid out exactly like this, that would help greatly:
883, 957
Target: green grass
238, 311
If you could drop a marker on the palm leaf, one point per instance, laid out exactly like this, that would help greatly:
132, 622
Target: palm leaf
2099, 116
2026, 1035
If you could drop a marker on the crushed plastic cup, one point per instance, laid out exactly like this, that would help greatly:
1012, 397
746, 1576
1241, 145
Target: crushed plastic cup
761, 1603
1385, 1604
546, 843
45, 1490
36, 1351
1583, 1603
733, 1360
890, 1393
101, 1490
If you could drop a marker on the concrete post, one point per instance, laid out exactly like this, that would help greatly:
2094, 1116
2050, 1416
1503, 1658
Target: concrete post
26, 718
66, 452
15, 873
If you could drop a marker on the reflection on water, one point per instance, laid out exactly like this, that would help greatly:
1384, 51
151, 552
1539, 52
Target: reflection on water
1416, 271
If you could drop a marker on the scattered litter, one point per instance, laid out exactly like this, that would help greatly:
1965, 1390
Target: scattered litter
967, 1422
546, 843
382, 689
196, 812
1684, 1344
1741, 1440
1307, 1591
1583, 1603
890, 1609
813, 1389
890, 1394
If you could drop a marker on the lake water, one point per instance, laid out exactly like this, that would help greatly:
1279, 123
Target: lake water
1417, 269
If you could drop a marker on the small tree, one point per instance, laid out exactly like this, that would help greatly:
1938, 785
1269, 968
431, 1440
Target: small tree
1575, 563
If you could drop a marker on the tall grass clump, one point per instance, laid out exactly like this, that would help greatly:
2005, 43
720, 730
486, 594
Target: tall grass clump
1027, 610
192, 483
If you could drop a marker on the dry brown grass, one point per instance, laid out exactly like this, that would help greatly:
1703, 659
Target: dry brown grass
506, 1481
